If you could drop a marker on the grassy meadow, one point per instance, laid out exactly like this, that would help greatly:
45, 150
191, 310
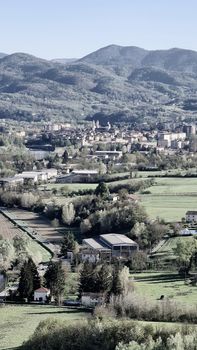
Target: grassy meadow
153, 285
17, 323
170, 198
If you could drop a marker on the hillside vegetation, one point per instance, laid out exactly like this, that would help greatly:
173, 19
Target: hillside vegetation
114, 83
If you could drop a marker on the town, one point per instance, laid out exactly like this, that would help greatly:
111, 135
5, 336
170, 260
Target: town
98, 175
100, 201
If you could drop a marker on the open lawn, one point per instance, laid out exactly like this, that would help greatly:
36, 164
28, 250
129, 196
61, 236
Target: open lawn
8, 231
153, 285
69, 187
17, 322
170, 198
165, 248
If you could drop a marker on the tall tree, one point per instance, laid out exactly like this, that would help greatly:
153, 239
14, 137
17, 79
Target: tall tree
55, 280
29, 279
68, 213
68, 244
102, 190
116, 286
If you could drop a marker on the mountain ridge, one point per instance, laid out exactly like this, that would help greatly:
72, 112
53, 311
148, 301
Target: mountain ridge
122, 83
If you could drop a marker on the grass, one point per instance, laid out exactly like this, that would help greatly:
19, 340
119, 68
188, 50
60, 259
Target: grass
153, 285
165, 250
83, 186
170, 198
17, 323
38, 253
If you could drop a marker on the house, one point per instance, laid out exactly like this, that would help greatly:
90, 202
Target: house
94, 250
11, 182
92, 299
41, 294
111, 155
77, 176
107, 246
191, 216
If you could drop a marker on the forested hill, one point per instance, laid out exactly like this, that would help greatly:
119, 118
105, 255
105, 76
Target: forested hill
115, 82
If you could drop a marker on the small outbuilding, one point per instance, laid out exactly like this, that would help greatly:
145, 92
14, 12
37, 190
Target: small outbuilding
92, 299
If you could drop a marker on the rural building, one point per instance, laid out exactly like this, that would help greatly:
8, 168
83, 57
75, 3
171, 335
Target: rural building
107, 246
111, 155
191, 216
41, 294
92, 299
11, 182
77, 176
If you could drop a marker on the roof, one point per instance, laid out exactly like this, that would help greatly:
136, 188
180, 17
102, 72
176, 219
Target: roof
117, 239
41, 290
190, 212
85, 172
95, 244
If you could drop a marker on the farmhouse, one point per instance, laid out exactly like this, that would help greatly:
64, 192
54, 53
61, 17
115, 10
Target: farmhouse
41, 294
77, 176
112, 155
191, 216
11, 182
92, 299
107, 246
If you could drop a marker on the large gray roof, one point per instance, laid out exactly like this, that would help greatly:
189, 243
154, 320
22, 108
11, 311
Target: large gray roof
117, 239
95, 244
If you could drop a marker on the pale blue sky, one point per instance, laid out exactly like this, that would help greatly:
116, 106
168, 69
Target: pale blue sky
73, 28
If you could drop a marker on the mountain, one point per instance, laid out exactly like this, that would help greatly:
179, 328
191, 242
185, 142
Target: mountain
2, 54
113, 83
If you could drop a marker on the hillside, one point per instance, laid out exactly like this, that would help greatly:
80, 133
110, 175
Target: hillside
116, 83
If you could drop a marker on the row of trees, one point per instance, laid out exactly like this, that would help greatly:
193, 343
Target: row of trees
54, 279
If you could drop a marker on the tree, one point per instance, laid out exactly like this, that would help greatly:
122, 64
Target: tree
68, 243
95, 278
55, 280
103, 278
25, 287
102, 168
29, 279
65, 157
124, 280
85, 226
68, 213
86, 278
138, 261
102, 190
35, 274
116, 286
186, 252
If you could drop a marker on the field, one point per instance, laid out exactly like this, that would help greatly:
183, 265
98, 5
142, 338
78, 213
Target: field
9, 231
165, 247
40, 226
17, 323
153, 285
170, 198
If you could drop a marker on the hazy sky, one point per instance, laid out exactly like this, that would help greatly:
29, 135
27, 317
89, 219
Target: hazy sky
73, 28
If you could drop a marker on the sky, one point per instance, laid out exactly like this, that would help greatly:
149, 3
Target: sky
74, 28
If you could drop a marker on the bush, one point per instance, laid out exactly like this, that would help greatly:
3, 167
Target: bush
109, 335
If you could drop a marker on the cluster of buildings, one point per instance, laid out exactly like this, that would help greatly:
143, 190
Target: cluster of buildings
107, 247
27, 178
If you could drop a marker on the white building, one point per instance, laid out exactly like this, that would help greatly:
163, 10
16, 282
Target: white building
41, 294
92, 299
191, 216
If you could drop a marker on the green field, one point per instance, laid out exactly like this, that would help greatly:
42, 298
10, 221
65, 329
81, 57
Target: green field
166, 246
170, 198
17, 323
153, 285
38, 253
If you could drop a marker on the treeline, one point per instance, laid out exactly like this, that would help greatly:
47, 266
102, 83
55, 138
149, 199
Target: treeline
110, 335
